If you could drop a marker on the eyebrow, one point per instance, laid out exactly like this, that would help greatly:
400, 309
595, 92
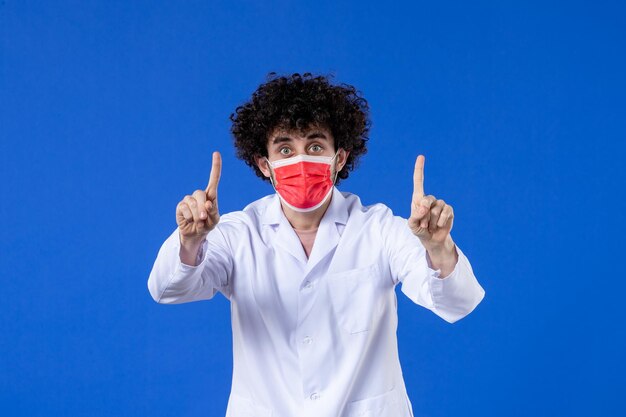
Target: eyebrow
310, 136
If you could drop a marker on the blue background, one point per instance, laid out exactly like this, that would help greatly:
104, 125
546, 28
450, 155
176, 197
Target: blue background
109, 112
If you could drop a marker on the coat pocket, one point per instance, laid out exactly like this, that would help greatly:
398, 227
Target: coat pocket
389, 404
356, 297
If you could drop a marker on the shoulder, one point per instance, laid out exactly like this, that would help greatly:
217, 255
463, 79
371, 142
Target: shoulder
356, 208
248, 217
255, 210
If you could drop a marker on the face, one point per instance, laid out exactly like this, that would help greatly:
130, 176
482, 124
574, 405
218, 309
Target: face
315, 141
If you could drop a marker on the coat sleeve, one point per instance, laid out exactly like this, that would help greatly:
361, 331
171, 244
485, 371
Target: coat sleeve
173, 282
452, 297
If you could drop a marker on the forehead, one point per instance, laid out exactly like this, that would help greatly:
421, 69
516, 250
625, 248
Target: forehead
310, 132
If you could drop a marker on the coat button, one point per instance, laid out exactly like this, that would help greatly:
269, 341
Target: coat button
315, 396
307, 340
308, 285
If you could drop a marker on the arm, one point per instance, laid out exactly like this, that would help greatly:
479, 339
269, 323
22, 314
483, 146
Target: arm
451, 297
195, 261
173, 281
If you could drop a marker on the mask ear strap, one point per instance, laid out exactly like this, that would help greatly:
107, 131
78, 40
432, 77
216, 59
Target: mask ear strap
269, 165
336, 172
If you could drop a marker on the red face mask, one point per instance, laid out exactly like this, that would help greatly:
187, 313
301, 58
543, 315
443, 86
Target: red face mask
303, 182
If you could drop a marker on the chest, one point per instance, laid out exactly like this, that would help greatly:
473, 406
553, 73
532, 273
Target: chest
346, 278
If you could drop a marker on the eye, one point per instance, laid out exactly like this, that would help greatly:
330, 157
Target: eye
316, 148
285, 151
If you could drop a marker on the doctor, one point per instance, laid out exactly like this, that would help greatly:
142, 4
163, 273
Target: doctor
309, 271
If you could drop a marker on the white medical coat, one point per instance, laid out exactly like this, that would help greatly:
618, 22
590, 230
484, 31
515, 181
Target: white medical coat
315, 337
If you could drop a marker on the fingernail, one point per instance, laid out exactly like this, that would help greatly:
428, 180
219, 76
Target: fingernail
202, 215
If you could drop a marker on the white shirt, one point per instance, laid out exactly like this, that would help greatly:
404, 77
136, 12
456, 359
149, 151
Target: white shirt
315, 337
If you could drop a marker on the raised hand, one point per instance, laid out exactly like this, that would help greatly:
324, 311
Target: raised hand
197, 214
431, 219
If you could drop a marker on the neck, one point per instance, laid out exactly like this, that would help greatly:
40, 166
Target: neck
306, 221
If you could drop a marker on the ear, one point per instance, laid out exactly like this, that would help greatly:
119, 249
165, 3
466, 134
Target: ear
261, 163
342, 158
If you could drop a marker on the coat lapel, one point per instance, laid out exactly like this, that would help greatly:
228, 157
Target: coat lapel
282, 234
327, 236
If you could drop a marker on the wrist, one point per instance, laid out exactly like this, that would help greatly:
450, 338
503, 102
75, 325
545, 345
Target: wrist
443, 257
441, 249
191, 242
189, 250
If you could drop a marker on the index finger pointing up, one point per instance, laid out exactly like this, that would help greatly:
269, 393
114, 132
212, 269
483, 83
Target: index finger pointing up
214, 178
418, 177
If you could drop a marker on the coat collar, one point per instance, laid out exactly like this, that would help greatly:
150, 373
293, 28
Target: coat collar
337, 210
327, 236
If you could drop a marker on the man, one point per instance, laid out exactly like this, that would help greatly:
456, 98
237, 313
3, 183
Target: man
310, 272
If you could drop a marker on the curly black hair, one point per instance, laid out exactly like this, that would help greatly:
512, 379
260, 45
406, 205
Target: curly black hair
298, 102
